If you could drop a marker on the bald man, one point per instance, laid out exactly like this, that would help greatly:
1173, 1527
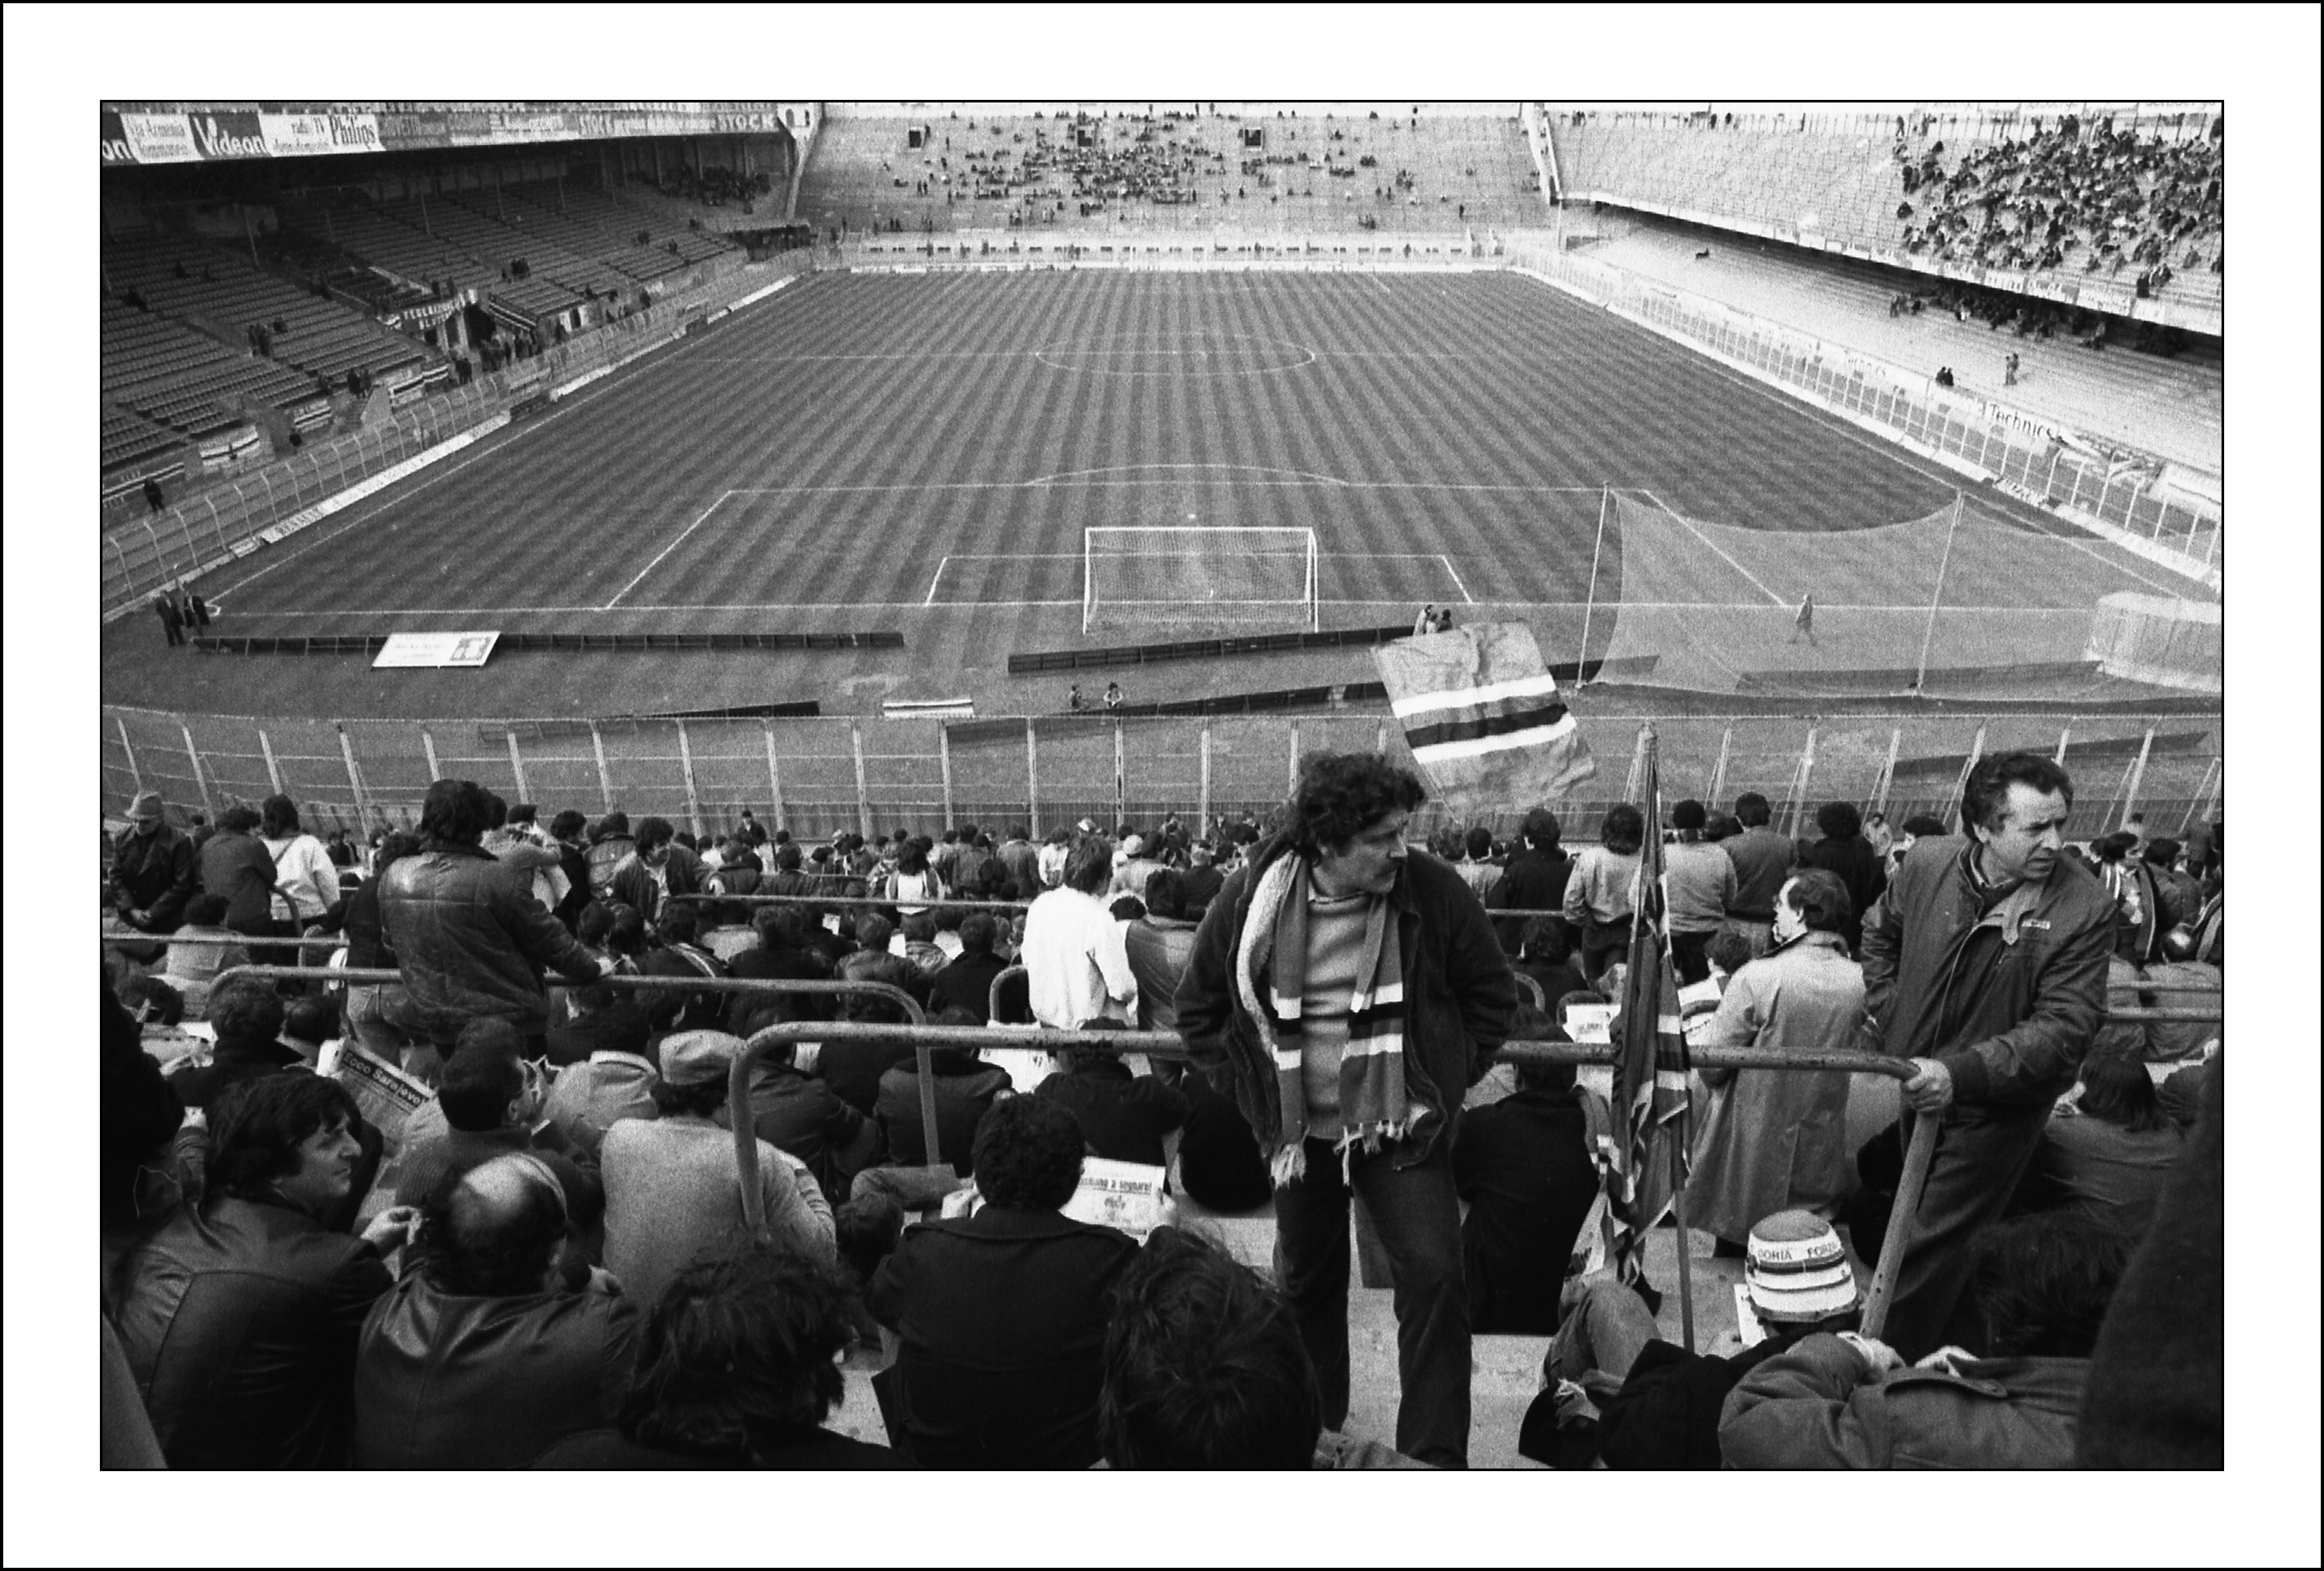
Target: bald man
482, 1357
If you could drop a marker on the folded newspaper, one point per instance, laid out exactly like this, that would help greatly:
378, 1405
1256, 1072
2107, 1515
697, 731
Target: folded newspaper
1127, 1195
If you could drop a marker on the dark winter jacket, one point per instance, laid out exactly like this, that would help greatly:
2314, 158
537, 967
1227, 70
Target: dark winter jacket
471, 939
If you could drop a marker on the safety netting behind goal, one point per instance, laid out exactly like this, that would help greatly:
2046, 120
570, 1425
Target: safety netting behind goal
1714, 608
1163, 578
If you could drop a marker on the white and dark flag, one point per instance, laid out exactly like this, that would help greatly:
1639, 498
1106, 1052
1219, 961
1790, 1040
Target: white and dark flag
1483, 716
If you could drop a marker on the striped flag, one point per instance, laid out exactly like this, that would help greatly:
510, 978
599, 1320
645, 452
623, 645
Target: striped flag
1651, 1109
1482, 715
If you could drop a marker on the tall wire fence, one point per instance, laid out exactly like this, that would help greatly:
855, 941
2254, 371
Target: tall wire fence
230, 520
817, 776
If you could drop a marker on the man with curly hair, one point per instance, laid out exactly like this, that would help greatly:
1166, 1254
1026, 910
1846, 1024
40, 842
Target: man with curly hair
1346, 993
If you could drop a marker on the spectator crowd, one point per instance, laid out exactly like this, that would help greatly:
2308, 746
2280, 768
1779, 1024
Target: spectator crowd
539, 1252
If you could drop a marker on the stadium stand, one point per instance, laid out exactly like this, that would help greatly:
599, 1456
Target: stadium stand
2073, 198
1174, 170
131, 447
176, 377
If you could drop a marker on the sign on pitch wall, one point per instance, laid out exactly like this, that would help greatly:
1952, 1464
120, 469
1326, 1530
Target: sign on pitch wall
457, 649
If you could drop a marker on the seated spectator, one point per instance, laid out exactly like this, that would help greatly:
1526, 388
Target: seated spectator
680, 955
589, 1098
309, 1025
1728, 953
1202, 879
1523, 1167
737, 1367
247, 1016
1700, 881
1845, 852
1158, 945
2178, 1041
966, 1088
1777, 1140
1544, 954
672, 1183
2110, 1155
155, 1003
1476, 865
1620, 1396
966, 983
149, 1158
783, 954
467, 935
235, 866
1075, 958
798, 1113
1220, 1165
1124, 1118
2039, 1285
1203, 1366
599, 1018
483, 1357
1003, 1314
239, 1317
192, 967
153, 877
920, 947
489, 1105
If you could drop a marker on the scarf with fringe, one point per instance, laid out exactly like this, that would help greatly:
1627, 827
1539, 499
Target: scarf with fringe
1270, 975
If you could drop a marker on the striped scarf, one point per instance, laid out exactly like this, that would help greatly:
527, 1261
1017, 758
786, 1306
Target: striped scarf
1270, 975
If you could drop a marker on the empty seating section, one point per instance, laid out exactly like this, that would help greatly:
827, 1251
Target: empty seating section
452, 220
1178, 171
176, 377
2077, 201
663, 219
321, 336
129, 444
320, 259
537, 209
381, 242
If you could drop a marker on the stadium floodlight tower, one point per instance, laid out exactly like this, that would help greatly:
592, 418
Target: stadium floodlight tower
1149, 576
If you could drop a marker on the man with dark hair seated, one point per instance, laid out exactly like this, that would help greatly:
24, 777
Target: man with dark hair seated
1124, 1118
601, 1018
682, 956
736, 1367
782, 955
673, 1183
616, 1082
798, 1113
2038, 1287
247, 1015
1003, 1314
489, 1106
239, 1317
966, 1087
967, 982
483, 1357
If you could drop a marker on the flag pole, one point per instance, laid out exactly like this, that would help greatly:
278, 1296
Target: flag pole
1920, 675
1581, 657
1685, 1260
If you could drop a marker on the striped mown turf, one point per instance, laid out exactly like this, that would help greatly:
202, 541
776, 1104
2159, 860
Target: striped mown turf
922, 453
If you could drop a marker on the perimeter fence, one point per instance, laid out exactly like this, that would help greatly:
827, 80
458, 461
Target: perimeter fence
817, 776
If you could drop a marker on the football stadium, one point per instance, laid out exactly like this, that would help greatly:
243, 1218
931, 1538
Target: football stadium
948, 635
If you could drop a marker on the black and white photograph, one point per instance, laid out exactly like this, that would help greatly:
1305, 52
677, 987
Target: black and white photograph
1037, 775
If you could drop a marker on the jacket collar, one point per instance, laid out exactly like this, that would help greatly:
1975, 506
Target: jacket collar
1015, 1222
633, 1059
1812, 939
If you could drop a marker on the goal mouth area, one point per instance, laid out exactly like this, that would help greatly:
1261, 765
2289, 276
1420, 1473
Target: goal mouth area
1135, 576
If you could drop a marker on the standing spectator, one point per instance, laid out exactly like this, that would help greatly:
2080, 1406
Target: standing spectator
1777, 1140
1112, 696
1158, 945
915, 880
172, 622
737, 1366
1022, 858
1074, 701
1075, 956
1523, 1166
1202, 879
1003, 1313
151, 488
751, 830
966, 983
2139, 927
483, 1357
239, 1317
673, 1183
1051, 859
2041, 1287
1698, 878
567, 838
2179, 897
236, 867
153, 876
1985, 965
467, 934
1425, 623
1534, 880
306, 884
1763, 860
966, 874
1477, 868
1347, 992
610, 845
1600, 896
1845, 852
374, 1009
656, 868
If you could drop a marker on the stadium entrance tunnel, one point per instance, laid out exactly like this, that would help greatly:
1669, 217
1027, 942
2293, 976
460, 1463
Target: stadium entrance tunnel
1175, 354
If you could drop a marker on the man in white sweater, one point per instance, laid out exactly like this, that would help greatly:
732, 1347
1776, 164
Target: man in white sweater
1076, 957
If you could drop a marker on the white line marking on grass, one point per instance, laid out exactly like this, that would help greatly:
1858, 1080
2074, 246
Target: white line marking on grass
1455, 572
1383, 284
1715, 551
1077, 477
935, 578
664, 551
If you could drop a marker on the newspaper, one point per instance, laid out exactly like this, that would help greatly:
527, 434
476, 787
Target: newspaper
1126, 1194
383, 1094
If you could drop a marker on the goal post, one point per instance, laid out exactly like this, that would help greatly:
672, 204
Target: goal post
1142, 576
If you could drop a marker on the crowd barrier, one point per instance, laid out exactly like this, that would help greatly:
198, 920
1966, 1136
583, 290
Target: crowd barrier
816, 775
219, 524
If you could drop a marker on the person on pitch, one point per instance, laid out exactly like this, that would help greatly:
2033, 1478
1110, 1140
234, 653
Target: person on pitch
1804, 623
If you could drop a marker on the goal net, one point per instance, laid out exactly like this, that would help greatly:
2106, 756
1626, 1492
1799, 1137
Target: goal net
1161, 576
